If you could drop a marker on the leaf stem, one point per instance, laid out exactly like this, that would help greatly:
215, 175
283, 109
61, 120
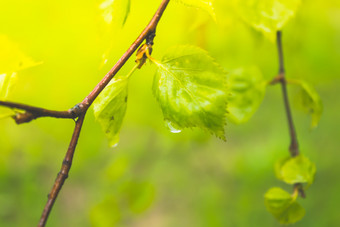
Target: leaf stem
132, 71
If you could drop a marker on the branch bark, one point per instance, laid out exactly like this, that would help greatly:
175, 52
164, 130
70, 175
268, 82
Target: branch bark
281, 78
294, 146
64, 171
80, 109
32, 112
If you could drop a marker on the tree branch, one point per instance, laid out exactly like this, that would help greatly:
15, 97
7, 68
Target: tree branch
294, 146
281, 78
80, 109
63, 174
148, 33
32, 112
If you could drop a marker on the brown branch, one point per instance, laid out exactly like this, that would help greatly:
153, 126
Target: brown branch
63, 174
80, 109
32, 112
281, 78
294, 146
148, 33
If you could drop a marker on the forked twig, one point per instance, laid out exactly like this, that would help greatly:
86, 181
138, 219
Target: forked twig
79, 111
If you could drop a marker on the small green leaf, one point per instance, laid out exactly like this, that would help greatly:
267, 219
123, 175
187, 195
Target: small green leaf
247, 89
278, 198
12, 59
110, 107
206, 5
310, 101
298, 169
278, 167
7, 81
283, 206
115, 11
191, 90
267, 16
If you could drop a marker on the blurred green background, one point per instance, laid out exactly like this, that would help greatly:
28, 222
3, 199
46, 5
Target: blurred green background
154, 177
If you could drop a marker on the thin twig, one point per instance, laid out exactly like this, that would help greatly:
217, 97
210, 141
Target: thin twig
63, 174
294, 146
147, 33
80, 109
32, 112
281, 78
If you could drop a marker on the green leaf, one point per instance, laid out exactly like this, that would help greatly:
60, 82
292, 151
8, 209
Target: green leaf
191, 90
12, 61
110, 107
115, 11
12, 58
206, 5
247, 89
277, 198
298, 169
283, 206
7, 81
267, 16
278, 167
310, 102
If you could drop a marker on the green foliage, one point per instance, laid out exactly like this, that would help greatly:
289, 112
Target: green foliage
191, 90
115, 11
297, 169
132, 196
309, 101
206, 5
70, 41
6, 84
283, 206
12, 61
139, 195
7, 80
267, 16
106, 213
110, 107
12, 58
247, 88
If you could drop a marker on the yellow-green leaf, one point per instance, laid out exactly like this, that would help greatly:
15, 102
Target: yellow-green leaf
310, 101
191, 90
206, 5
110, 107
12, 59
298, 169
267, 16
115, 11
247, 88
7, 81
278, 167
283, 206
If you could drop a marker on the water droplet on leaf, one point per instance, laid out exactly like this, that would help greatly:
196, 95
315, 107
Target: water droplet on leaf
172, 128
114, 145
